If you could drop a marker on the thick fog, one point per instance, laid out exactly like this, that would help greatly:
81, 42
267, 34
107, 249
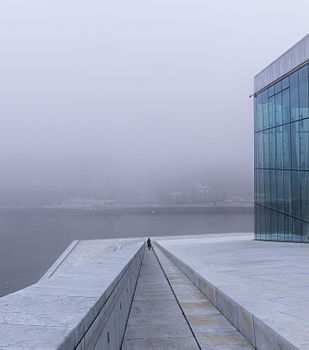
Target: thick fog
118, 99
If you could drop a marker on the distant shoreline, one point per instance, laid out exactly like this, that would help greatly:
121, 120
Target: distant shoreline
149, 209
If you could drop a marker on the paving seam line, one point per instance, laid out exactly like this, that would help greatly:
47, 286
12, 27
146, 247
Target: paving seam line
184, 315
52, 269
122, 278
279, 339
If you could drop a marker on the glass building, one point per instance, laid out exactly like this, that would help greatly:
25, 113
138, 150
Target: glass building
281, 143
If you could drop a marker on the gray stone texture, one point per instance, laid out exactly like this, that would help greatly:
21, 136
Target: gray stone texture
82, 301
156, 320
211, 329
261, 287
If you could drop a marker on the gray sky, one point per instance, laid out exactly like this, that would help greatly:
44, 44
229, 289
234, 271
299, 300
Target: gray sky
119, 96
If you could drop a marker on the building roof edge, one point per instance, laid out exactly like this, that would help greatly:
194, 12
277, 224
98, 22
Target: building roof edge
284, 64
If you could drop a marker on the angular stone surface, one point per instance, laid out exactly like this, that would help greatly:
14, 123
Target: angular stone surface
223, 340
63, 306
211, 329
156, 321
160, 344
170, 330
198, 307
262, 287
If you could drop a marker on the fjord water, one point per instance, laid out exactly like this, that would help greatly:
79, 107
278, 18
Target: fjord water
31, 240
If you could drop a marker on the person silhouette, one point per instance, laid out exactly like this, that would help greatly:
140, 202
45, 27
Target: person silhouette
148, 243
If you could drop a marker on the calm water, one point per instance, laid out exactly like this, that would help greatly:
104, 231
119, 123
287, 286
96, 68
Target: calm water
30, 241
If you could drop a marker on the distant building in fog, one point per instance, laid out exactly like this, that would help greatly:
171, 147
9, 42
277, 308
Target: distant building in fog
197, 194
88, 204
176, 198
281, 125
200, 193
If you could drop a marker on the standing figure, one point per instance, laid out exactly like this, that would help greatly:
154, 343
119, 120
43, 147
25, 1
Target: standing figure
148, 243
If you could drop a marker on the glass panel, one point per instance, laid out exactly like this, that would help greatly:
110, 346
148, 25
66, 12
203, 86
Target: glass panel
282, 109
261, 187
294, 96
305, 232
257, 186
272, 148
273, 223
279, 151
266, 148
278, 109
267, 224
265, 109
285, 83
260, 148
257, 231
303, 92
266, 188
278, 87
286, 106
296, 200
280, 227
273, 191
286, 146
280, 192
259, 112
255, 115
262, 222
271, 90
304, 143
295, 145
288, 228
297, 230
271, 111
287, 189
304, 184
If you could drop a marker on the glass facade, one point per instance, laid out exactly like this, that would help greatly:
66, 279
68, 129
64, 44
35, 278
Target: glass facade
281, 164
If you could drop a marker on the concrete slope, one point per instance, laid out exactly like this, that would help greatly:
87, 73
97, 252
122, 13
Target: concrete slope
82, 303
156, 320
211, 329
261, 287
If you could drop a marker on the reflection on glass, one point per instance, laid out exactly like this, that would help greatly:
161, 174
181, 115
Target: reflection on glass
282, 160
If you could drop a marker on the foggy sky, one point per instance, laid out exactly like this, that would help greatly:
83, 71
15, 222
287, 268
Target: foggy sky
114, 97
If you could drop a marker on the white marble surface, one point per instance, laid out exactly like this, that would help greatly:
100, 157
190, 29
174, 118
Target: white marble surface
269, 279
56, 312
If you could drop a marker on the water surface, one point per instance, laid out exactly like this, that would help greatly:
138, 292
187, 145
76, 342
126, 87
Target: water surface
31, 240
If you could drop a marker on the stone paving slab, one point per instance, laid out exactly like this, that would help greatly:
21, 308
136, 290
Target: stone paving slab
211, 329
30, 337
261, 286
211, 322
56, 312
184, 343
197, 307
150, 287
158, 318
156, 322
156, 295
43, 320
223, 340
155, 306
87, 251
158, 331
41, 303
